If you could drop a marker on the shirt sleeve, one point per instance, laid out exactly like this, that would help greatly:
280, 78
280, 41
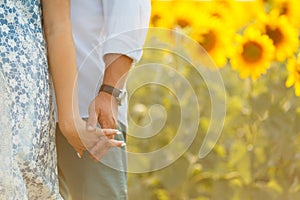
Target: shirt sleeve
126, 26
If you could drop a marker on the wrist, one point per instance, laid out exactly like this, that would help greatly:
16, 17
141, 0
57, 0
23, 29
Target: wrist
117, 94
69, 124
113, 83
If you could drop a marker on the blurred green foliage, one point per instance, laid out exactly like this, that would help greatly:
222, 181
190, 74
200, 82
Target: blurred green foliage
256, 157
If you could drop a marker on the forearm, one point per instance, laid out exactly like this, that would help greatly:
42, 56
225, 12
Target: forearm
61, 57
63, 69
117, 67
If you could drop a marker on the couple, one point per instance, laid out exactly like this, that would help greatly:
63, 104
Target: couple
27, 127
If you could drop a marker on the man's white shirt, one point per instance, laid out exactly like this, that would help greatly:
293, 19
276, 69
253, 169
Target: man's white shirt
101, 27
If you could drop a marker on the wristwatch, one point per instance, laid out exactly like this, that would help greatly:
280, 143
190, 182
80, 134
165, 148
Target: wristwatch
118, 94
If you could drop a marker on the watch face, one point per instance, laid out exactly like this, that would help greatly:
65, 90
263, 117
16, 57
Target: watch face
121, 97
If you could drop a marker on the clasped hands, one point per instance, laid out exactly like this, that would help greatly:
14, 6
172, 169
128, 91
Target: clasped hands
85, 135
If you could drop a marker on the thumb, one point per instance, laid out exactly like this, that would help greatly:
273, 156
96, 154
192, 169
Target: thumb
92, 121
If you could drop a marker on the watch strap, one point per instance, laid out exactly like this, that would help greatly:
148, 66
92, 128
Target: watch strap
110, 90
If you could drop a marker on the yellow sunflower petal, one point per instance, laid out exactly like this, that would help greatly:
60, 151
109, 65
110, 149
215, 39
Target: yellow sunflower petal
253, 54
282, 33
293, 67
290, 81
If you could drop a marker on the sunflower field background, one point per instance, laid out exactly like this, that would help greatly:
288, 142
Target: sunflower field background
255, 46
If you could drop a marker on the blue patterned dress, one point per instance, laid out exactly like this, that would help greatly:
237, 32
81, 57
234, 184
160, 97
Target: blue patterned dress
27, 139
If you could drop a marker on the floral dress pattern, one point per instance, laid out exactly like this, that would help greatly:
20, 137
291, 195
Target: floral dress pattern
27, 128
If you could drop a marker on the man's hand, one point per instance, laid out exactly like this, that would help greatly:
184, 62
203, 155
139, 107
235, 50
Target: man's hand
103, 109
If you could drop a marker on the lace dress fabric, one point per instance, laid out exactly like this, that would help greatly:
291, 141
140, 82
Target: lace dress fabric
27, 127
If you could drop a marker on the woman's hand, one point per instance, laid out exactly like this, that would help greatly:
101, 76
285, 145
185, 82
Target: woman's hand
97, 141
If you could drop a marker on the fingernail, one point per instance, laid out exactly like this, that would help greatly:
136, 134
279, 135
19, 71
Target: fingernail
119, 132
123, 145
90, 128
78, 154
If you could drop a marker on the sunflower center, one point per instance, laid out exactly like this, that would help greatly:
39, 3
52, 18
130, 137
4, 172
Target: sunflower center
183, 23
209, 40
284, 9
215, 14
155, 18
252, 51
275, 35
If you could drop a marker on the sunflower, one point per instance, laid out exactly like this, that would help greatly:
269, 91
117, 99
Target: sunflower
215, 38
215, 9
293, 66
253, 54
174, 14
232, 12
290, 9
160, 14
281, 32
184, 13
